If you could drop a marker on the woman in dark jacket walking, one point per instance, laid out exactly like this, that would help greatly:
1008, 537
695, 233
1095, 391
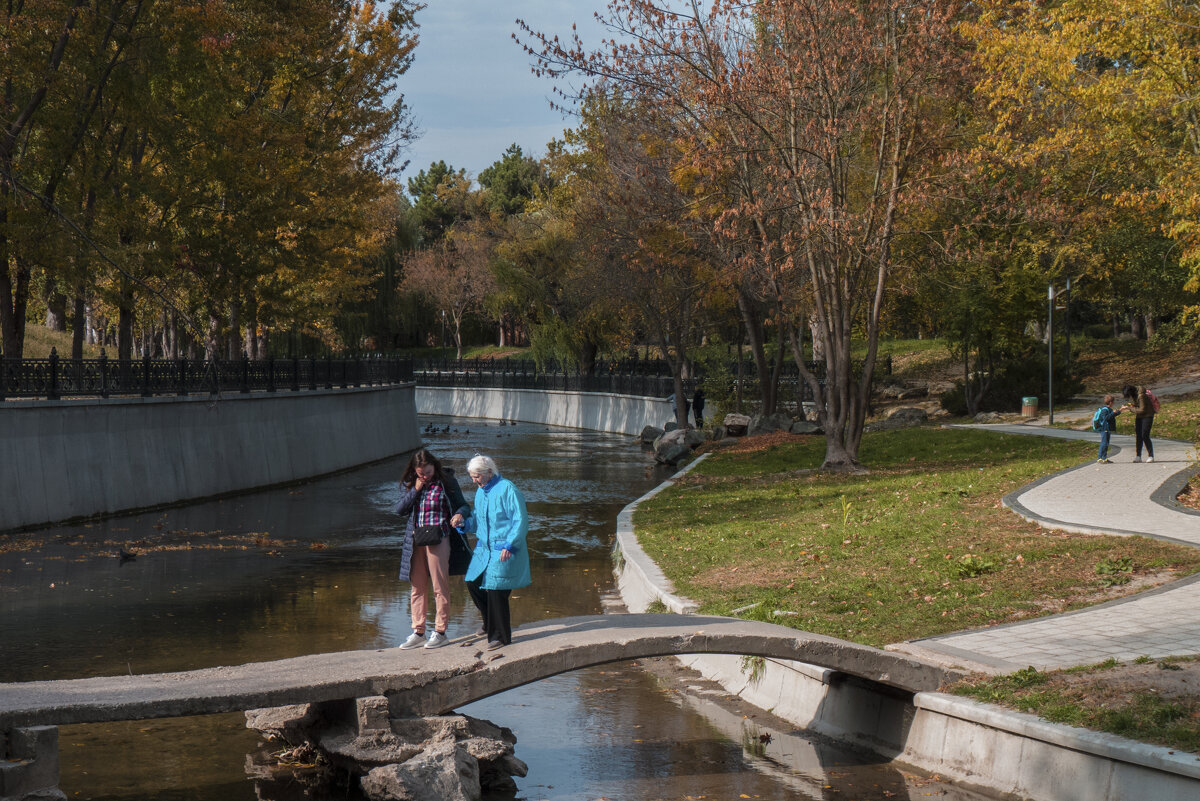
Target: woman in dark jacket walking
430, 496
1143, 418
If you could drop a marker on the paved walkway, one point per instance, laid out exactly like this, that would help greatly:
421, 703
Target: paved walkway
1121, 498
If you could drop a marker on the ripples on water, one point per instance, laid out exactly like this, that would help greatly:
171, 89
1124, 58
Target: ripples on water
312, 568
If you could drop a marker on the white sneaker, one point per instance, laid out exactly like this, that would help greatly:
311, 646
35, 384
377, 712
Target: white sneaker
1137, 458
414, 640
1149, 458
436, 640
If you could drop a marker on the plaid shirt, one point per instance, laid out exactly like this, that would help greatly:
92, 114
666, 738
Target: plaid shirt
431, 507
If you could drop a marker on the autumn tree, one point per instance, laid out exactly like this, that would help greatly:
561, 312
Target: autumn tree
455, 273
839, 107
1097, 103
230, 162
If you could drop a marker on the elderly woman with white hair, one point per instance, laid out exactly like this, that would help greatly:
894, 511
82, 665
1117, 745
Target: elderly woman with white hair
500, 563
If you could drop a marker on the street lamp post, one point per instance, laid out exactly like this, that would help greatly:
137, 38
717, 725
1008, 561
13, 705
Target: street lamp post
1052, 295
443, 330
1050, 353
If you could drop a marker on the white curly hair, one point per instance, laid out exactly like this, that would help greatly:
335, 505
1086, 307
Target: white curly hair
482, 464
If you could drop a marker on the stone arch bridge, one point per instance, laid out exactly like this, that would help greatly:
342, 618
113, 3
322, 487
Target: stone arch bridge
417, 682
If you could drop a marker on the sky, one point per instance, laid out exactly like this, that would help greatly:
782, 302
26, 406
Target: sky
470, 87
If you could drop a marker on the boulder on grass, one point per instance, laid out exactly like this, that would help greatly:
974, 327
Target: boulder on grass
908, 415
769, 423
736, 425
805, 427
672, 447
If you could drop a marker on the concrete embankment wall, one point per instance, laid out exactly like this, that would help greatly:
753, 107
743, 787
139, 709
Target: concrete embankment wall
594, 411
975, 744
64, 460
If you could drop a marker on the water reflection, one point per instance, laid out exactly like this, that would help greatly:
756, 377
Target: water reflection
312, 568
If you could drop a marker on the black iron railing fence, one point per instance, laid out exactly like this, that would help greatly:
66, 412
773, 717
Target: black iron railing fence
55, 378
645, 378
624, 377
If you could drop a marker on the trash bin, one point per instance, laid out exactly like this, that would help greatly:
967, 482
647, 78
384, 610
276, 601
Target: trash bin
1029, 406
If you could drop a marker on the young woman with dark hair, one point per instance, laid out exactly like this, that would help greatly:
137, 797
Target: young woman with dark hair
430, 496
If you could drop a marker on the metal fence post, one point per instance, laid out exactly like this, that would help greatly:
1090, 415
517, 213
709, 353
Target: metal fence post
245, 373
312, 372
295, 374
270, 374
182, 364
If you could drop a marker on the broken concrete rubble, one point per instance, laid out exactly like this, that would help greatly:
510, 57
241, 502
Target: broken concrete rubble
446, 757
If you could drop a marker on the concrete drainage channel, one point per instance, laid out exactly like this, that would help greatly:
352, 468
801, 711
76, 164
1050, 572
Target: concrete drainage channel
971, 743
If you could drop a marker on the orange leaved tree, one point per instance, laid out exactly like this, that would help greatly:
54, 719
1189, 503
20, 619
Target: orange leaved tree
823, 120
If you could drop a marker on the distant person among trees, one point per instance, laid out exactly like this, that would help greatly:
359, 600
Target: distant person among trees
1141, 403
429, 495
687, 405
698, 407
500, 563
1105, 421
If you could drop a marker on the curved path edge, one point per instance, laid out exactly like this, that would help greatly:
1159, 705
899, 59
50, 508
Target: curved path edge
973, 743
1123, 498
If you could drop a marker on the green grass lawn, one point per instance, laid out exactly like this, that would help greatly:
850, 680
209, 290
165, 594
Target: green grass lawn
39, 340
919, 546
1147, 700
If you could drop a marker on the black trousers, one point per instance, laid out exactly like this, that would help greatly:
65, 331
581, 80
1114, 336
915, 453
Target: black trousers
493, 606
1141, 430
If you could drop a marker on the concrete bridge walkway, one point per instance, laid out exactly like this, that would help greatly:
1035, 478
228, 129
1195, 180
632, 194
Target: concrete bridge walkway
422, 682
1122, 498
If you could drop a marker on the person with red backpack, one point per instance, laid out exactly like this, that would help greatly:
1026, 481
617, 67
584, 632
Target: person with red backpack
1143, 404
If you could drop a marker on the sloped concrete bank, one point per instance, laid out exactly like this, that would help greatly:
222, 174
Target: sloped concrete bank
73, 459
972, 743
593, 411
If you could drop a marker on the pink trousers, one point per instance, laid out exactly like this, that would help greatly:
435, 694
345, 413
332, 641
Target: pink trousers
430, 562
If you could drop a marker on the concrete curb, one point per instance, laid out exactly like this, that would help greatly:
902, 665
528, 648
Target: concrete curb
639, 580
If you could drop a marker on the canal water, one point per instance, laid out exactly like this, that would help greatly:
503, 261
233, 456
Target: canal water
312, 568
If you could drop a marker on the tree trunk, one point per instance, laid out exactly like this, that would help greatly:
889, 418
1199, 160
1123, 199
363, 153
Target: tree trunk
56, 306
251, 339
587, 358
214, 333
752, 321
125, 323
14, 302
457, 320
1135, 325
79, 325
234, 340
